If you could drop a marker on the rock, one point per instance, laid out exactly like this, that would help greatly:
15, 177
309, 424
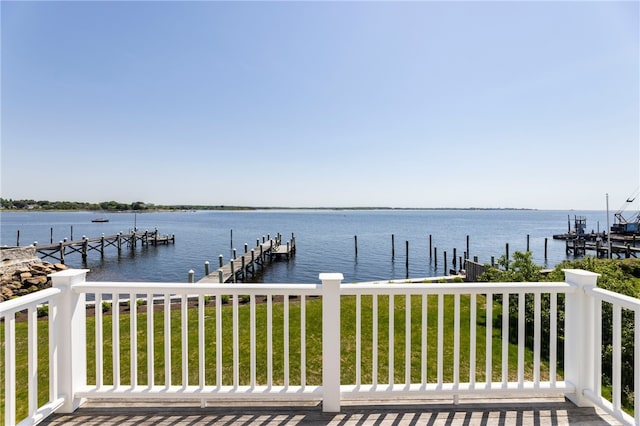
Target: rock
25, 276
60, 266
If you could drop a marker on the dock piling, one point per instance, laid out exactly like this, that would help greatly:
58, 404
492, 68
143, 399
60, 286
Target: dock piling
355, 239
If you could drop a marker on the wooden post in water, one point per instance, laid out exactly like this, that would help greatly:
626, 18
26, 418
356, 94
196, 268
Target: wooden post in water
435, 257
493, 261
206, 268
445, 262
102, 246
51, 236
231, 237
407, 251
220, 276
453, 261
430, 246
61, 252
545, 248
468, 253
233, 272
18, 239
220, 260
243, 269
393, 247
527, 242
235, 254
507, 255
355, 240
191, 276
85, 243
71, 232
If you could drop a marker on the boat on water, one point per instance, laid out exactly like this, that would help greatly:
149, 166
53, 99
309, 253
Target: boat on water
100, 219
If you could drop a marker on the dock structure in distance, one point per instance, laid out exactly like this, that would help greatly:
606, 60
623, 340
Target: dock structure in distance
241, 266
83, 246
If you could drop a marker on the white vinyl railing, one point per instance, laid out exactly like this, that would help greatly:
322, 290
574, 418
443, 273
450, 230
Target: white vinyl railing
288, 342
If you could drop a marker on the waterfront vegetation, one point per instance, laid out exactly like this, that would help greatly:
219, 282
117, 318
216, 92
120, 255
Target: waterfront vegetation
621, 276
104, 206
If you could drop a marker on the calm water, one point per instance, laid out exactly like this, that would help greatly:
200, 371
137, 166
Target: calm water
325, 240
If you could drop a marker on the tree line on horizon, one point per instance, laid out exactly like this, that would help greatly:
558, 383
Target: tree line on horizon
113, 206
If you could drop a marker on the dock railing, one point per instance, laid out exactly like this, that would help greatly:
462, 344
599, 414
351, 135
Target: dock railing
323, 342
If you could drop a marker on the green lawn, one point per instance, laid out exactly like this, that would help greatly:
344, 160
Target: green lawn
313, 345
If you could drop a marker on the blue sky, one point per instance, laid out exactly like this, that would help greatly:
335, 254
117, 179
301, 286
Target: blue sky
399, 104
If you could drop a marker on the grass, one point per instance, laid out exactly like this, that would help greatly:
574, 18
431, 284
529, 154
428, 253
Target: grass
313, 331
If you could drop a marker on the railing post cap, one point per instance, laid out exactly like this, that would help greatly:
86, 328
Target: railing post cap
331, 276
68, 277
580, 277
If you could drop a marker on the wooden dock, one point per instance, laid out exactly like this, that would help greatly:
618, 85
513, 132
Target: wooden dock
60, 250
580, 246
240, 267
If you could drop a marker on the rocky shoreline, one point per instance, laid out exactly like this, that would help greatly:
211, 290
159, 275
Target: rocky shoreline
22, 272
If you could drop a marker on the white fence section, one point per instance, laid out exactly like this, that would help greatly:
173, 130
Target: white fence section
289, 342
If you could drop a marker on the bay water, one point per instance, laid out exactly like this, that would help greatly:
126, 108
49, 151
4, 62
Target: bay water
324, 240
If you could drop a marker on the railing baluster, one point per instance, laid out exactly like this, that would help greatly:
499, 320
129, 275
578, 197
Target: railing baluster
303, 341
133, 335
269, 341
99, 341
236, 341
597, 341
472, 339
201, 348
553, 339
167, 341
391, 340
423, 354
32, 353
358, 337
440, 337
536, 341
505, 339
456, 341
617, 354
150, 332
252, 339
115, 338
218, 341
285, 329
374, 337
521, 315
9, 369
407, 340
184, 325
489, 339
53, 353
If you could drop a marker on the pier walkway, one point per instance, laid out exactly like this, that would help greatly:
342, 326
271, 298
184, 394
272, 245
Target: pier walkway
238, 267
59, 250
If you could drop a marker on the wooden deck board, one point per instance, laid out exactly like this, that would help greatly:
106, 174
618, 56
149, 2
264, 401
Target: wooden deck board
535, 411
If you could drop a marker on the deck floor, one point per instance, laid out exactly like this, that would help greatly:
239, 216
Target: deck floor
531, 411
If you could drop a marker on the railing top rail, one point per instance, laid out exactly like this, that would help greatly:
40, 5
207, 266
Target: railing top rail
197, 289
626, 302
456, 288
23, 302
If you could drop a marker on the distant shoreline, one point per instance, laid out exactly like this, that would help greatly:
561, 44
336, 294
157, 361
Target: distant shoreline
243, 208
